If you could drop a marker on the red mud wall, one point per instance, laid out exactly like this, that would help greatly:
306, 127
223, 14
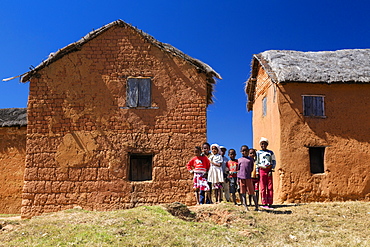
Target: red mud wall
80, 132
12, 157
267, 125
345, 134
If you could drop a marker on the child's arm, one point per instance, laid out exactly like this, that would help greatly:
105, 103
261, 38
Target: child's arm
190, 166
273, 161
207, 164
216, 164
256, 163
226, 167
216, 160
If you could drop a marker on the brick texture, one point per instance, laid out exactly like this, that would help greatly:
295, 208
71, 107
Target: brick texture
12, 156
80, 132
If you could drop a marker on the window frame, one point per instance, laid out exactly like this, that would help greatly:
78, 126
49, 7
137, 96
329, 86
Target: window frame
313, 110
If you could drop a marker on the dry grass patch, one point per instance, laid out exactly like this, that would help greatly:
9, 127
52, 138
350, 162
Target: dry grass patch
316, 224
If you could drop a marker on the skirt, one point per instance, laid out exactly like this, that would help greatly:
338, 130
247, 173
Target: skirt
200, 182
215, 175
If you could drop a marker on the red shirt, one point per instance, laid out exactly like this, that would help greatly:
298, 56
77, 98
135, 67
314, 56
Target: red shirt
199, 164
233, 168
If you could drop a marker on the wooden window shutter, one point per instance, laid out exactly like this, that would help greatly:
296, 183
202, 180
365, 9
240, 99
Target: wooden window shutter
264, 106
132, 91
144, 92
140, 167
313, 106
307, 106
318, 106
138, 92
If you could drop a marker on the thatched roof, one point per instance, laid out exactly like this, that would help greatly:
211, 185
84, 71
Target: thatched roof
13, 117
342, 66
201, 67
322, 67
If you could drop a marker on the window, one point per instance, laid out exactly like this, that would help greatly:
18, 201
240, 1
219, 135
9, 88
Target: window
264, 106
141, 167
316, 159
138, 92
313, 106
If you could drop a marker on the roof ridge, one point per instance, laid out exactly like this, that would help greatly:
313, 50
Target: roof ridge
205, 68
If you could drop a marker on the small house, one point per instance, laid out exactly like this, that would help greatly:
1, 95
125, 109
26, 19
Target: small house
314, 107
112, 120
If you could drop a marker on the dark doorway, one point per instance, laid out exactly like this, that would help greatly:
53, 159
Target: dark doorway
317, 159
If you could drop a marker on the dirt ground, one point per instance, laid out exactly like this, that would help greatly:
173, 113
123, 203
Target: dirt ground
221, 214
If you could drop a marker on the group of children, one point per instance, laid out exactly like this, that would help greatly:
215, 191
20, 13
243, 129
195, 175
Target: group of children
215, 174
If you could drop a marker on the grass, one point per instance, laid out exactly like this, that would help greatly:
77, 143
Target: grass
315, 224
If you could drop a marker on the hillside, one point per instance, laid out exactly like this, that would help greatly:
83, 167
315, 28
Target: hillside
315, 224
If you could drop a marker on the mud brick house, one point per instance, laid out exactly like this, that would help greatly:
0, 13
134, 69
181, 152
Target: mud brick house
112, 120
314, 107
13, 125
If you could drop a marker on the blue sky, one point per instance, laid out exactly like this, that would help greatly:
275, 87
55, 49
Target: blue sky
223, 34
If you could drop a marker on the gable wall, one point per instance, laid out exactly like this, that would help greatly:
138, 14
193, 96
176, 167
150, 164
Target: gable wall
80, 133
345, 133
12, 156
267, 126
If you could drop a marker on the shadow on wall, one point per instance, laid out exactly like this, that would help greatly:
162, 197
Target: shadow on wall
13, 138
346, 111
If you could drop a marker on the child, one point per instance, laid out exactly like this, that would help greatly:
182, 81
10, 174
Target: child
216, 175
265, 162
206, 149
232, 165
206, 152
255, 178
245, 168
225, 185
199, 165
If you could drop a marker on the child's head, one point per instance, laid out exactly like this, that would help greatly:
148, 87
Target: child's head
252, 153
206, 148
264, 143
197, 151
215, 149
244, 150
232, 153
223, 150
